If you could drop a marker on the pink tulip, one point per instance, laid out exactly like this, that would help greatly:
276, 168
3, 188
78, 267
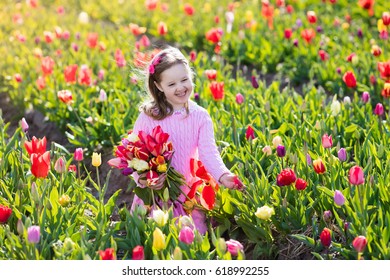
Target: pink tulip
78, 154
234, 247
327, 141
379, 109
359, 243
356, 175
239, 98
186, 235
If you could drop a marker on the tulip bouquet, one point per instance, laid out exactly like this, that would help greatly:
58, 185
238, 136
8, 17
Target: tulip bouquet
147, 157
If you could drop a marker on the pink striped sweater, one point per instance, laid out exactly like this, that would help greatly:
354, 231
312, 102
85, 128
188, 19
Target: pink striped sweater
192, 136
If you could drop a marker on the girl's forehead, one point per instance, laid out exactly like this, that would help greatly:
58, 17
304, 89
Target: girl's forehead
174, 72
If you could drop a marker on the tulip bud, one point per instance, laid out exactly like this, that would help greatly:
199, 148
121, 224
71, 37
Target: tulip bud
96, 159
59, 166
326, 237
234, 247
20, 227
280, 151
158, 239
186, 235
255, 84
308, 159
264, 212
68, 245
339, 198
359, 243
276, 141
379, 109
327, 216
221, 245
138, 253
34, 193
267, 150
177, 254
342, 154
33, 234
160, 217
102, 95
365, 97
239, 98
24, 125
327, 141
64, 200
78, 154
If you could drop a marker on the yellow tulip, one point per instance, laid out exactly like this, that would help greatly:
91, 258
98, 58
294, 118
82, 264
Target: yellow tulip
158, 239
96, 159
64, 200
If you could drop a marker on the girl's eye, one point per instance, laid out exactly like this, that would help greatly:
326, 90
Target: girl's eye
170, 85
184, 80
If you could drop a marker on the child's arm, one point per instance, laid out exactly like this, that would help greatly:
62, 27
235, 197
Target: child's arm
211, 158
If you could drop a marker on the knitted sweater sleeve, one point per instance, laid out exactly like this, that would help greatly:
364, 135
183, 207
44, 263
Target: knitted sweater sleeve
207, 149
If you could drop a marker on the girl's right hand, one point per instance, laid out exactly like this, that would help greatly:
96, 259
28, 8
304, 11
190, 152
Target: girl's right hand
232, 181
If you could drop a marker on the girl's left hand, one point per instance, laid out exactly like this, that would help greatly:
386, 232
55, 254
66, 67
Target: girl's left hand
231, 181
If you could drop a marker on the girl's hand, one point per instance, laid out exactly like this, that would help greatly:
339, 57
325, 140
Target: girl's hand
231, 181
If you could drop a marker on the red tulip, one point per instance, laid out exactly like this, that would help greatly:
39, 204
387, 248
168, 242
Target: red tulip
188, 9
217, 90
5, 213
349, 79
386, 90
85, 75
300, 184
70, 73
108, 254
386, 18
290, 9
47, 65
376, 50
18, 78
138, 253
367, 5
356, 175
162, 28
287, 33
286, 177
92, 39
211, 74
308, 35
311, 16
214, 35
151, 4
326, 237
41, 82
384, 69
65, 96
36, 146
323, 55
250, 133
319, 166
40, 164
207, 198
359, 243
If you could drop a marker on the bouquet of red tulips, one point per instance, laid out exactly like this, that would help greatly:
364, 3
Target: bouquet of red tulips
149, 155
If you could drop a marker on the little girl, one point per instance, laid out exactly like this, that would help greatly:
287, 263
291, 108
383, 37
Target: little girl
190, 128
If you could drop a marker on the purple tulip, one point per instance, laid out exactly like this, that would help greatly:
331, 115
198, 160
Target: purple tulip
255, 84
365, 96
33, 234
196, 96
339, 198
280, 151
360, 33
342, 154
308, 159
295, 42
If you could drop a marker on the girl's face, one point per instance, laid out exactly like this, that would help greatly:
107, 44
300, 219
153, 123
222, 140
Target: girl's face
176, 83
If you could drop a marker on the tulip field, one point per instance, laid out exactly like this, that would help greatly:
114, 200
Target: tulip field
299, 95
